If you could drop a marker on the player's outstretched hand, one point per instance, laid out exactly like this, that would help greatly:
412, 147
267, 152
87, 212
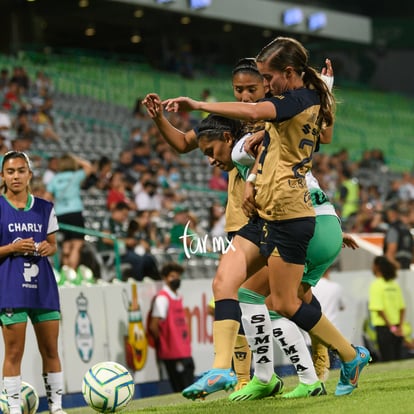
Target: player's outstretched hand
153, 105
327, 70
181, 104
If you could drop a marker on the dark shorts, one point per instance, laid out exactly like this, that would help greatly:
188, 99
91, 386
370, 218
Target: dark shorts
288, 239
74, 219
252, 231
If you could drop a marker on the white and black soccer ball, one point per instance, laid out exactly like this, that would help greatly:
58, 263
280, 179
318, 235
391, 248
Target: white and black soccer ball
30, 400
108, 387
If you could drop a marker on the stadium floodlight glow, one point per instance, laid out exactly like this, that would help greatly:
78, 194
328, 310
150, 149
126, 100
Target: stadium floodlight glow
185, 20
292, 17
317, 21
136, 38
83, 3
90, 31
138, 13
199, 4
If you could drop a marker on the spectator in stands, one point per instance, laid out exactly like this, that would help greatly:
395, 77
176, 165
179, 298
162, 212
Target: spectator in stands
3, 146
118, 191
117, 224
143, 228
406, 188
102, 172
217, 180
398, 241
5, 129
141, 156
139, 112
65, 189
135, 136
206, 96
217, 220
393, 193
42, 101
387, 309
4, 80
124, 165
325, 174
22, 143
51, 169
38, 188
162, 175
174, 177
182, 224
372, 160
43, 125
148, 198
169, 327
25, 126
42, 81
367, 220
12, 100
21, 77
378, 159
348, 196
410, 209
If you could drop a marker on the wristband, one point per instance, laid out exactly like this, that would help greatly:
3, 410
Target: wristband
329, 81
251, 178
393, 328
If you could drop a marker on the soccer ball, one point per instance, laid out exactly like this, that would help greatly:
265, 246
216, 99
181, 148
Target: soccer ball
30, 400
108, 387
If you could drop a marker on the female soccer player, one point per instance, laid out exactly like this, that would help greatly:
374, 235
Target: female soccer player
300, 107
27, 237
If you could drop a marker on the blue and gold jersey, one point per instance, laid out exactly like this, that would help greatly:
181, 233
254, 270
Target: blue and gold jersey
286, 156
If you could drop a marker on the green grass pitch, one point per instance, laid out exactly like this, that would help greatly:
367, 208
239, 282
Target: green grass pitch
383, 387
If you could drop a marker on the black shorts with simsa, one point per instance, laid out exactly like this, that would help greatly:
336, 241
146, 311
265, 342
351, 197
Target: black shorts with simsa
288, 239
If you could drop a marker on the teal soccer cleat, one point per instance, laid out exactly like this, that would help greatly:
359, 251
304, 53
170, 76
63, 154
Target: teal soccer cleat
214, 380
350, 371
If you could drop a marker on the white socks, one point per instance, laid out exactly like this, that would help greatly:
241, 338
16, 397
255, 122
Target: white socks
12, 386
54, 390
291, 341
257, 327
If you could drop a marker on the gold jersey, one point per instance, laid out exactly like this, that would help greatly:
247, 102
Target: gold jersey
286, 156
235, 218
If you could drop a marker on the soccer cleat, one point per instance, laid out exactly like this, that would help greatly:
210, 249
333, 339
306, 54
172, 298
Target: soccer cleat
214, 380
256, 389
350, 371
305, 390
